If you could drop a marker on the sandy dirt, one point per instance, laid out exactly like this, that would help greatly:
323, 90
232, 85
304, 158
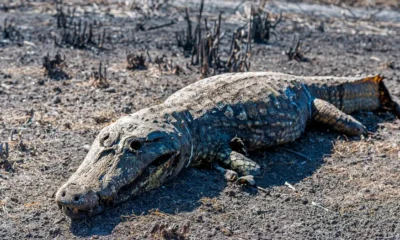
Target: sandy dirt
342, 188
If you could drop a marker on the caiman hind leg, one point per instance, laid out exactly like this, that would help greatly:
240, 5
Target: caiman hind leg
328, 114
239, 165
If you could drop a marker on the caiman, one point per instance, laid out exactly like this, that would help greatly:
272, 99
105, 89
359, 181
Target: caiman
214, 121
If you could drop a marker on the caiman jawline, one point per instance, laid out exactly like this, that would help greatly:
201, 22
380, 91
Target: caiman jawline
166, 157
77, 213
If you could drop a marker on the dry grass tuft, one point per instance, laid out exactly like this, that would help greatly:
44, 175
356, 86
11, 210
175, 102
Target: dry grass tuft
213, 203
163, 231
363, 167
104, 118
157, 212
365, 148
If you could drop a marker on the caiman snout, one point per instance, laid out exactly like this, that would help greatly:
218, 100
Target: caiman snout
77, 201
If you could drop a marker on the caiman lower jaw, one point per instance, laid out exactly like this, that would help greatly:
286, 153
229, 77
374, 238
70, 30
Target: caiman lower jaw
75, 213
82, 212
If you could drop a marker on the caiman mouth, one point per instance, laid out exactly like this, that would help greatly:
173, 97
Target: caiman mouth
135, 187
76, 213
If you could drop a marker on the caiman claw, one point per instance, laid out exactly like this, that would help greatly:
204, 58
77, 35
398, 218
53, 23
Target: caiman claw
248, 179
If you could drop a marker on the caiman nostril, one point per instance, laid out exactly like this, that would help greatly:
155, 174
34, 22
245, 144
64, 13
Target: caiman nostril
76, 198
63, 194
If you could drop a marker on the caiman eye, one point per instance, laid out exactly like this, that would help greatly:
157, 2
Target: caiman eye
135, 145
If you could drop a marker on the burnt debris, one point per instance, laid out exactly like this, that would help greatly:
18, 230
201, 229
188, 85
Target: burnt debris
99, 78
240, 53
81, 36
78, 33
10, 32
4, 153
188, 39
263, 28
295, 52
203, 45
54, 68
136, 61
64, 18
211, 61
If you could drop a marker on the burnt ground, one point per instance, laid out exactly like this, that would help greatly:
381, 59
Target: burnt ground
344, 188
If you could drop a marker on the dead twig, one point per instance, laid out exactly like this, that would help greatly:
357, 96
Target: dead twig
4, 150
295, 52
172, 22
263, 28
240, 53
188, 39
64, 19
81, 35
10, 31
99, 78
297, 153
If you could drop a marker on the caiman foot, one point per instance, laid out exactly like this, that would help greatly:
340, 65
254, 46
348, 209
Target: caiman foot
229, 175
240, 165
232, 176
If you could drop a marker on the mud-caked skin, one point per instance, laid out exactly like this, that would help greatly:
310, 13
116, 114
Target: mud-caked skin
214, 121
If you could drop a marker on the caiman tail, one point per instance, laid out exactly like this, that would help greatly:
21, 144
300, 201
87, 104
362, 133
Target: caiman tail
352, 94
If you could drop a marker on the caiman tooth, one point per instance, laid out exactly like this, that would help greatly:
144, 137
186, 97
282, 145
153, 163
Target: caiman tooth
90, 212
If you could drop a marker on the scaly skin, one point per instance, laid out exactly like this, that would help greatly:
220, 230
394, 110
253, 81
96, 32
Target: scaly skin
213, 121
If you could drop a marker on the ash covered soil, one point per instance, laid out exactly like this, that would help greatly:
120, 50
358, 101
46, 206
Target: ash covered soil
342, 187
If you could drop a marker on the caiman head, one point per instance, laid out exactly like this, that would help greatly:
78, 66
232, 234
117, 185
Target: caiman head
127, 158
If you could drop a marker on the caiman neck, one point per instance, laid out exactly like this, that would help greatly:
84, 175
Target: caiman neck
350, 96
181, 122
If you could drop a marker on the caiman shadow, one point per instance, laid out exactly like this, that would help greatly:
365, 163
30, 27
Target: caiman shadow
180, 195
183, 193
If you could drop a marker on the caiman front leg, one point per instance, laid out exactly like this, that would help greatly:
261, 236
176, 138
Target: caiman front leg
328, 114
239, 165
